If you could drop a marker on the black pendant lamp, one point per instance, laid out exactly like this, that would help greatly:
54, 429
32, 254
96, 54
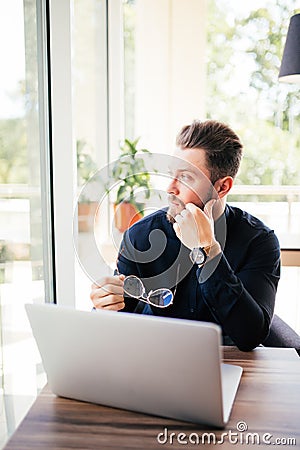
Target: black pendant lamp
290, 64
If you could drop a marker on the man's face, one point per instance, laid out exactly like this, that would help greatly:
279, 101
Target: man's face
190, 181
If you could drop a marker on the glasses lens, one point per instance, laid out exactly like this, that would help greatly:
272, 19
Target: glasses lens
133, 286
161, 297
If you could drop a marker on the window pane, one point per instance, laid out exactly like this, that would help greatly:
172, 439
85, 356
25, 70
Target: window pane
129, 18
264, 112
240, 87
287, 300
21, 245
89, 87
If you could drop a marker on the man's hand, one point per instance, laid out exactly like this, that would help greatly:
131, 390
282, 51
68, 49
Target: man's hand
108, 293
194, 227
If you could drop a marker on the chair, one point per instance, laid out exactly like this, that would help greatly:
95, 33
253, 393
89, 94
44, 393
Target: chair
282, 335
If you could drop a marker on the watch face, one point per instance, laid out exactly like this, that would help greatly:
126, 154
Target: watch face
198, 256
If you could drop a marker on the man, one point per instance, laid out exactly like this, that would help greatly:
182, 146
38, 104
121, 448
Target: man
228, 261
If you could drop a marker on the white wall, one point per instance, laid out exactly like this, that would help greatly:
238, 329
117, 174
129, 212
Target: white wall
170, 69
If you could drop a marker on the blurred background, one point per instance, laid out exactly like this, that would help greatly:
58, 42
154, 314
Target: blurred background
80, 76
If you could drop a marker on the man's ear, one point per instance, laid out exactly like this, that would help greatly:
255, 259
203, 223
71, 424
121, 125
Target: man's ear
223, 186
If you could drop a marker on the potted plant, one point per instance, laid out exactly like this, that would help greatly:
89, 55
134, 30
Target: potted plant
86, 168
6, 258
133, 185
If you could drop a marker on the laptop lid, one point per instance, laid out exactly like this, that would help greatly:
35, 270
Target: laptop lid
155, 365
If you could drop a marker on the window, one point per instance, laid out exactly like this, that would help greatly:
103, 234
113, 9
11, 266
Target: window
25, 232
220, 59
90, 126
265, 113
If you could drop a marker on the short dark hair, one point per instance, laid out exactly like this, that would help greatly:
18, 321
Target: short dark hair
222, 146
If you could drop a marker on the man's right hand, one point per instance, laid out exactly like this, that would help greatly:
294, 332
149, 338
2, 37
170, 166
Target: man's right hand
108, 293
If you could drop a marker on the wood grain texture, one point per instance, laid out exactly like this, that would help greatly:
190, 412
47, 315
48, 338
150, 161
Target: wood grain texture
268, 401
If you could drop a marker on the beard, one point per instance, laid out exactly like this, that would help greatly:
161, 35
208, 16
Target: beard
175, 207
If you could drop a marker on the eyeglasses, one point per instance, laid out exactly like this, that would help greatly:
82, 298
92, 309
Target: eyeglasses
134, 287
160, 298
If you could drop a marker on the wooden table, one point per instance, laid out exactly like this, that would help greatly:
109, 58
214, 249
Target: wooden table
267, 403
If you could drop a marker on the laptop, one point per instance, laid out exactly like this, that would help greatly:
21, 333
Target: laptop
155, 365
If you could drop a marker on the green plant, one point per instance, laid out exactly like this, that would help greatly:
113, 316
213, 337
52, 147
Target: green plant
86, 166
131, 173
5, 252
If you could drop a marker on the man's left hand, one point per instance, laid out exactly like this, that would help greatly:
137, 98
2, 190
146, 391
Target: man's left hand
194, 227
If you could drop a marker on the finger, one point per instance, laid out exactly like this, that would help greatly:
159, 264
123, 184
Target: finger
184, 213
109, 300
115, 280
179, 219
192, 208
112, 307
196, 212
115, 307
177, 230
106, 291
101, 293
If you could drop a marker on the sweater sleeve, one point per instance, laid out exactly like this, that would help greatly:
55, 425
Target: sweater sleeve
243, 302
127, 266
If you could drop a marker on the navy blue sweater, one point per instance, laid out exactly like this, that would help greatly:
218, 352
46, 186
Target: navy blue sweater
235, 289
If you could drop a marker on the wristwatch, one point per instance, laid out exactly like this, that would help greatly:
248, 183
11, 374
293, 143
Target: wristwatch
199, 255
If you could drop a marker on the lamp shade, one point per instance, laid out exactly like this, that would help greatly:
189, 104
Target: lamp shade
290, 64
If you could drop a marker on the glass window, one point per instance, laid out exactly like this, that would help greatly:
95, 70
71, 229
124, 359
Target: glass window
244, 75
90, 126
236, 59
22, 256
263, 111
129, 18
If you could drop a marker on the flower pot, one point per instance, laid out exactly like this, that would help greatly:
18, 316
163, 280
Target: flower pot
125, 215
